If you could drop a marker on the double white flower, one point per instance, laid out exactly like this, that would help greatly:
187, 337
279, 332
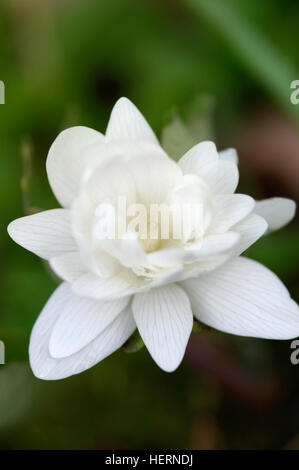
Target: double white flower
113, 286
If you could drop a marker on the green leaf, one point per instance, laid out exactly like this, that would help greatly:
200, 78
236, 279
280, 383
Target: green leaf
199, 117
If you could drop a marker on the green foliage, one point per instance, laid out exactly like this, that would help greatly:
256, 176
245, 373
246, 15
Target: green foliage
178, 136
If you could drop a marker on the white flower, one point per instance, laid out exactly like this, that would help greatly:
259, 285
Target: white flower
113, 286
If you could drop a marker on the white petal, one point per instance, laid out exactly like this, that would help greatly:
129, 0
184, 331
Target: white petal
155, 177
68, 266
250, 230
244, 298
46, 367
198, 156
126, 122
230, 155
277, 211
109, 180
220, 173
191, 207
166, 276
122, 284
164, 319
127, 250
229, 210
222, 176
47, 234
80, 322
66, 163
101, 263
204, 265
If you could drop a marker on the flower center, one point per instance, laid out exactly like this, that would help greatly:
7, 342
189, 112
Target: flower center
151, 241
150, 245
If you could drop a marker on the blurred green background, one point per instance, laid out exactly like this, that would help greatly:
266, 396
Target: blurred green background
209, 68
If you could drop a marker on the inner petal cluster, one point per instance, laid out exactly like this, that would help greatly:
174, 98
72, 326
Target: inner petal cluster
137, 210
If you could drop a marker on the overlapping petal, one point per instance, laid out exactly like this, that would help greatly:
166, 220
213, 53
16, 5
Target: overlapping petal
140, 166
67, 162
250, 230
222, 176
121, 284
109, 340
229, 209
220, 172
197, 157
80, 322
69, 266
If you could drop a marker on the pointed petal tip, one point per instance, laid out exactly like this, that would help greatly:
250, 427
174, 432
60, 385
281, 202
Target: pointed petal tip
167, 367
45, 234
124, 100
164, 319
